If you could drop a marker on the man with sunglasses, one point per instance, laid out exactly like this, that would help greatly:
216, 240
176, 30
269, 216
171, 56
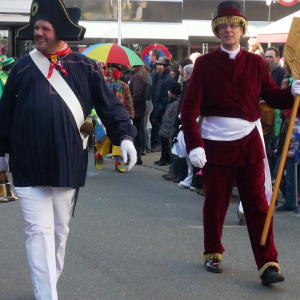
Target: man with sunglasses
225, 89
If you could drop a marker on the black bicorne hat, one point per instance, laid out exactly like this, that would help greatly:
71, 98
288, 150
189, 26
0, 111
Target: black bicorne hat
64, 20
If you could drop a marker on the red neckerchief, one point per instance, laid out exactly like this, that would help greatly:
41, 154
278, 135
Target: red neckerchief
64, 50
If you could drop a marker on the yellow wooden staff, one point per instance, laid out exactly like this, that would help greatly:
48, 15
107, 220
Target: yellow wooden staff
292, 57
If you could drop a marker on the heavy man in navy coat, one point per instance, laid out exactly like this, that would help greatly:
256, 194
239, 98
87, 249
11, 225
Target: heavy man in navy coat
39, 131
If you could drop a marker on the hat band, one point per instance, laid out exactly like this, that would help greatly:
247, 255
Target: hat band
226, 19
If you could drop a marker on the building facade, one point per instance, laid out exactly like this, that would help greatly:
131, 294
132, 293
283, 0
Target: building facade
183, 26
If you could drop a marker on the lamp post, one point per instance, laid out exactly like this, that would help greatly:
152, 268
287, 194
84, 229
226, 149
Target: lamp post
119, 19
119, 22
269, 2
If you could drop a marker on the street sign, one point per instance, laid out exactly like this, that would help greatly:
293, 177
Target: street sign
288, 2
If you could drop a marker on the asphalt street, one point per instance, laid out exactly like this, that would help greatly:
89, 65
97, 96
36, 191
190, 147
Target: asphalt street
137, 237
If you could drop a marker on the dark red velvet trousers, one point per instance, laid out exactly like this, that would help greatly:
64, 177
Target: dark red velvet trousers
218, 183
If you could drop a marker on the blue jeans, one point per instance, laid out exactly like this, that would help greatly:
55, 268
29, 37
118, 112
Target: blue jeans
287, 184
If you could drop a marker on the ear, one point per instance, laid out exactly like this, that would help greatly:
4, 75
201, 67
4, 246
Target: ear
242, 31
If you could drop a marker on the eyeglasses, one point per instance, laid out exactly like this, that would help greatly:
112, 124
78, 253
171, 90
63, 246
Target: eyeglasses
231, 26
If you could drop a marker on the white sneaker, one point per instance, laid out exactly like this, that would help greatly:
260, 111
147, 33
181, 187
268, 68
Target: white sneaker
194, 189
183, 186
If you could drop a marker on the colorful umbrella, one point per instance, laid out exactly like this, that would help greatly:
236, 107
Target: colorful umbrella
113, 54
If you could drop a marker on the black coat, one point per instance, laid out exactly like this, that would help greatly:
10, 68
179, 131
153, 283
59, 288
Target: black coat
154, 75
177, 121
137, 87
160, 100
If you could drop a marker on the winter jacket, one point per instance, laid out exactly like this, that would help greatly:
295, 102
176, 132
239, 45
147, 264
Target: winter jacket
177, 121
137, 86
277, 74
169, 117
160, 100
154, 75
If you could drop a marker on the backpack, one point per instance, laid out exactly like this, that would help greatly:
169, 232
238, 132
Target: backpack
148, 91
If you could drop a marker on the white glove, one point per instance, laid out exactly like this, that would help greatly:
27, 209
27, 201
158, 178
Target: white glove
3, 164
127, 149
296, 88
197, 157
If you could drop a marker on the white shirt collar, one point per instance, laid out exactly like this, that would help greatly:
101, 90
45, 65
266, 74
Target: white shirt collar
233, 53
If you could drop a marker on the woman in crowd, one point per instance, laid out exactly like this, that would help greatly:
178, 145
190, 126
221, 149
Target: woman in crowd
174, 72
255, 47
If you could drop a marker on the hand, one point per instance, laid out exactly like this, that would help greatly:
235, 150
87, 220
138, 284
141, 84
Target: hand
127, 149
290, 154
197, 157
296, 88
3, 164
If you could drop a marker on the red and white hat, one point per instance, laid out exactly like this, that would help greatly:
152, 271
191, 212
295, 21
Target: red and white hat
228, 11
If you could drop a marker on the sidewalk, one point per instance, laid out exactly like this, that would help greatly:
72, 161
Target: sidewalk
148, 161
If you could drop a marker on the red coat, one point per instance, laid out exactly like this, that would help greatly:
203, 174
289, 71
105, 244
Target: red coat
225, 87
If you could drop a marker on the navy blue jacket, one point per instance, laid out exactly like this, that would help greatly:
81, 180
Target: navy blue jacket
278, 75
38, 129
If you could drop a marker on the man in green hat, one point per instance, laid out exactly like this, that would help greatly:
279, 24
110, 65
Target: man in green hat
6, 67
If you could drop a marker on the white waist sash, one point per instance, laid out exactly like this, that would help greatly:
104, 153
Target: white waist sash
230, 129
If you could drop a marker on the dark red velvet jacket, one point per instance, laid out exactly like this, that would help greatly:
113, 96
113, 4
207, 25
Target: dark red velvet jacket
225, 87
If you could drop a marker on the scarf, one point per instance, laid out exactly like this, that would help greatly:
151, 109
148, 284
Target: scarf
64, 50
275, 66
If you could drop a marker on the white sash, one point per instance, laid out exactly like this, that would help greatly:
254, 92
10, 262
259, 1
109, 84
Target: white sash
62, 88
230, 129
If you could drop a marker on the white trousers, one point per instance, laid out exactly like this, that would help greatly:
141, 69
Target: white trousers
188, 180
47, 211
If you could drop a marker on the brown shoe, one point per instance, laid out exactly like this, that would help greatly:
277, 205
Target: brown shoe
171, 176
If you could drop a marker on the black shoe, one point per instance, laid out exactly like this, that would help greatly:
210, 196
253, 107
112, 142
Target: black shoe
148, 151
157, 162
139, 161
143, 153
165, 175
270, 276
176, 180
284, 208
162, 163
214, 265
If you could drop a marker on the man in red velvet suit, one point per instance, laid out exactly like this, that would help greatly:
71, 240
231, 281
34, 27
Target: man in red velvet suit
225, 89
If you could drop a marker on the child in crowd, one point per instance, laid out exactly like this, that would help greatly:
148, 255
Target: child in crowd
167, 123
